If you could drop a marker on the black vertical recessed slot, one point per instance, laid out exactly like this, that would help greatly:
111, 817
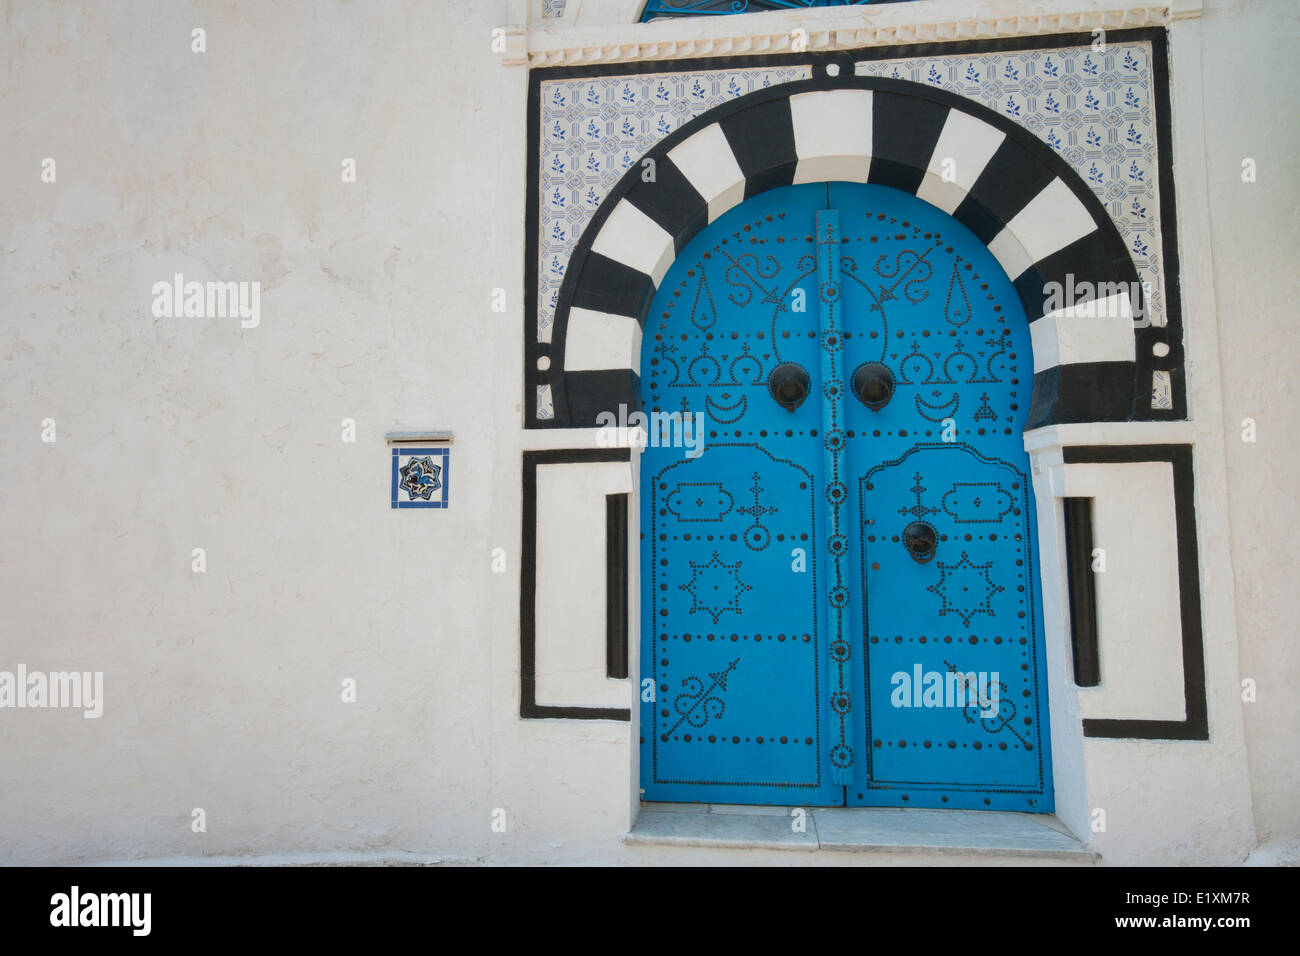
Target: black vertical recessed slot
1083, 591
616, 586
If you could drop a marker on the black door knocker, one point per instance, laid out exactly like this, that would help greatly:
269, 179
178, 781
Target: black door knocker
788, 384
919, 539
873, 383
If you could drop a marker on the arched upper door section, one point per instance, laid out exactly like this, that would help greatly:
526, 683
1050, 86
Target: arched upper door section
1051, 235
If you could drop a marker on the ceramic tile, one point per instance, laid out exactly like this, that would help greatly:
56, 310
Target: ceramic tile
1162, 390
420, 477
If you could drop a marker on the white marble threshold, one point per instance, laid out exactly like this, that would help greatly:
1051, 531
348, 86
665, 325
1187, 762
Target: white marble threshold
859, 829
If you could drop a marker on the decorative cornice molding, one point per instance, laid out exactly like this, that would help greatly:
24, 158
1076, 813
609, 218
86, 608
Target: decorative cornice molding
847, 29
516, 46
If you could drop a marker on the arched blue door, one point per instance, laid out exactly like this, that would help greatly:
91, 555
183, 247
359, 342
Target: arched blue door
839, 600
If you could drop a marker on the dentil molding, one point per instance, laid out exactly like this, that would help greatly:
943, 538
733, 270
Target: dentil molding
578, 39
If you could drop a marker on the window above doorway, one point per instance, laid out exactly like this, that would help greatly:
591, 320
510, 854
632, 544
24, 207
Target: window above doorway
657, 9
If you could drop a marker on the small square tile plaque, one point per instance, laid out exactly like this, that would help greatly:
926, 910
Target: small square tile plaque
420, 477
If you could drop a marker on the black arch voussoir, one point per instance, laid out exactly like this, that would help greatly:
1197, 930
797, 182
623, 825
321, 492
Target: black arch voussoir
762, 140
1082, 270
671, 202
904, 133
607, 285
1083, 392
1012, 178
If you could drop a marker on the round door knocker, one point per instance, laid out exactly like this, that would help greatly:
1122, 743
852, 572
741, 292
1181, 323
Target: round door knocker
873, 383
788, 384
919, 539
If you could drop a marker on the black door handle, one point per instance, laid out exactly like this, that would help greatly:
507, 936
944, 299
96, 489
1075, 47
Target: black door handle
873, 383
920, 540
788, 384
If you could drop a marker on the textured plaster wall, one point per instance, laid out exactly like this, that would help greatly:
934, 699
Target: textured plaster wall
1250, 78
223, 688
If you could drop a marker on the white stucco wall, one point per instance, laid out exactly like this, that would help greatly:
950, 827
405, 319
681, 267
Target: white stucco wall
223, 688
1249, 76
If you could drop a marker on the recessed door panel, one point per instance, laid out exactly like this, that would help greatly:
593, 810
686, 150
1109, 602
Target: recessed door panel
839, 588
733, 630
953, 667
952, 673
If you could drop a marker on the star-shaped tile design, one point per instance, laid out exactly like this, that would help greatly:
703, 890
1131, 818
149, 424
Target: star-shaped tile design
420, 478
715, 587
965, 589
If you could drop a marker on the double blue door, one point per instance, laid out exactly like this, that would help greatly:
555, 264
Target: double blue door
838, 556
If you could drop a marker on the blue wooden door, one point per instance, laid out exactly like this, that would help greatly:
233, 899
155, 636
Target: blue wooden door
838, 558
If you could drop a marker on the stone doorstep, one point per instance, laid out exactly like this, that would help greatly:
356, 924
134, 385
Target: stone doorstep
882, 829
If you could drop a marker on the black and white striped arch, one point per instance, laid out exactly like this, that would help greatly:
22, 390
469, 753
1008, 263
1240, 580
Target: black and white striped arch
1092, 361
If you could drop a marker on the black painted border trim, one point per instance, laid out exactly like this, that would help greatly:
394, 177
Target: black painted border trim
528, 706
1171, 333
616, 580
532, 242
1083, 591
1196, 725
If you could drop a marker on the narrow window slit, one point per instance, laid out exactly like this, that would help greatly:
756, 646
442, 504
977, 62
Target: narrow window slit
1083, 591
